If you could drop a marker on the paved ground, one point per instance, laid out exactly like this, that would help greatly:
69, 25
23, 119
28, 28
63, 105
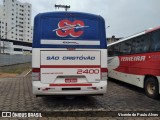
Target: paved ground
16, 95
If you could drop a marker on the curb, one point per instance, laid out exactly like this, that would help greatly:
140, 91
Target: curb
27, 73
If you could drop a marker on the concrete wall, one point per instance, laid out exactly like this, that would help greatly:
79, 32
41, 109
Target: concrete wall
6, 60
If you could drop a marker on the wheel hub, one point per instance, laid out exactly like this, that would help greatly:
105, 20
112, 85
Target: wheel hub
151, 88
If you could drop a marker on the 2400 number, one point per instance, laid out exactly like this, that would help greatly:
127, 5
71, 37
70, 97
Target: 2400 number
87, 71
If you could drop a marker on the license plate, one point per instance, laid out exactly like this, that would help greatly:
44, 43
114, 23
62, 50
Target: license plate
71, 80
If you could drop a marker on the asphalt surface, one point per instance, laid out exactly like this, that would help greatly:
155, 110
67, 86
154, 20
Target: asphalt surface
16, 95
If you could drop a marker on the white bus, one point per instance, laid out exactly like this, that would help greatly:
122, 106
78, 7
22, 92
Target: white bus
136, 60
69, 50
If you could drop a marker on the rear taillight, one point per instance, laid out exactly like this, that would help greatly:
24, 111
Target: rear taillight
104, 72
36, 74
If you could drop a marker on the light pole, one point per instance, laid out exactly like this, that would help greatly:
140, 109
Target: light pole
107, 39
107, 27
6, 37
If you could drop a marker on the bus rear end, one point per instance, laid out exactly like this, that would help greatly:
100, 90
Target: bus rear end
69, 54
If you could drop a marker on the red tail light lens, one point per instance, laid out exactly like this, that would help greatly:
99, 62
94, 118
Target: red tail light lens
35, 74
104, 72
36, 70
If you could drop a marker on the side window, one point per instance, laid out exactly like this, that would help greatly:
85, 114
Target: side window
137, 47
116, 49
146, 43
125, 47
140, 44
155, 38
110, 51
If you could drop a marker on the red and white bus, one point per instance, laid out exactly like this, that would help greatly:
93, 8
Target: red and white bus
136, 60
68, 54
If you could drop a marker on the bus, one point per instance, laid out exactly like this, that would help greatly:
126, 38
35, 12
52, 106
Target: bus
68, 54
136, 60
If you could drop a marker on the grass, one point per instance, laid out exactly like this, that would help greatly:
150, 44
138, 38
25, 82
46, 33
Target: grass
16, 69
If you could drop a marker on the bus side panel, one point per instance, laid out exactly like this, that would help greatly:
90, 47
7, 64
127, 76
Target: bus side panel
36, 58
133, 68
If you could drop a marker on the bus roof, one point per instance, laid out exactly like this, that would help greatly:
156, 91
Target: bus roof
68, 13
135, 35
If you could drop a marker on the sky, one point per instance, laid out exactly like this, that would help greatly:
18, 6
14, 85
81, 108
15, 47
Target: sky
125, 17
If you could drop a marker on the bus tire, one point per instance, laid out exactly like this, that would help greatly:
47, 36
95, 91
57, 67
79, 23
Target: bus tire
151, 87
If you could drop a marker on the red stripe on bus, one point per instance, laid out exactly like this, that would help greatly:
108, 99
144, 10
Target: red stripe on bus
70, 66
70, 85
141, 64
153, 29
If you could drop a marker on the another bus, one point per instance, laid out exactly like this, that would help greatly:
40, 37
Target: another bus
136, 60
69, 50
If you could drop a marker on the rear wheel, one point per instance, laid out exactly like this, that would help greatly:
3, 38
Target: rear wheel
151, 87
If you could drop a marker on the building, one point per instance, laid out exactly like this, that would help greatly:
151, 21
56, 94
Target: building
15, 47
15, 21
2, 28
112, 39
2, 22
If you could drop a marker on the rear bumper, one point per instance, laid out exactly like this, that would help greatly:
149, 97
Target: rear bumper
44, 89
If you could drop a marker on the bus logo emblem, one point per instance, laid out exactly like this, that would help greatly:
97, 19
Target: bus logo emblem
66, 27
